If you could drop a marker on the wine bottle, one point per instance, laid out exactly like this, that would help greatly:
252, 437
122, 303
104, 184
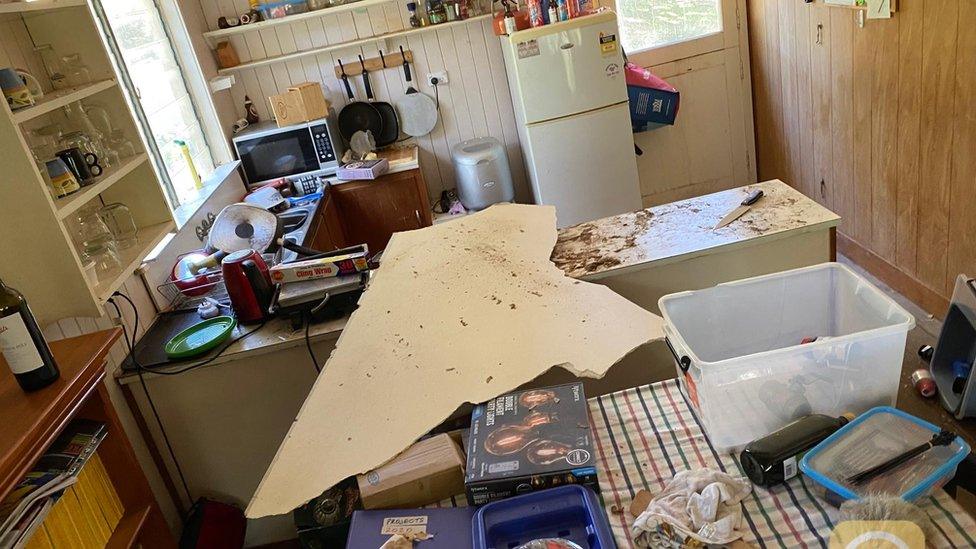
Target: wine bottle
22, 344
773, 459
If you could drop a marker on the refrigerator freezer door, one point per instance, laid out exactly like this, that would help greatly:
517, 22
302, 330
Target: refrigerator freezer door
584, 165
566, 68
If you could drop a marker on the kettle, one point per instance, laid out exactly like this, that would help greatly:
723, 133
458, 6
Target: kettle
248, 284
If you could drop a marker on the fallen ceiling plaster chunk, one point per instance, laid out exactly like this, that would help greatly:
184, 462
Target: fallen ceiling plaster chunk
459, 312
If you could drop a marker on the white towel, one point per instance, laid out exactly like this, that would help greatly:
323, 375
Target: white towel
701, 504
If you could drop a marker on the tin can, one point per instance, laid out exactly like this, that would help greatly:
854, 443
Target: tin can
924, 383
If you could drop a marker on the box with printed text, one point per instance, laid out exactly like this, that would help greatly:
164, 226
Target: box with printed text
530, 440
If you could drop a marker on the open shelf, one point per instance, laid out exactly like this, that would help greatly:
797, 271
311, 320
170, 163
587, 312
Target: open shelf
59, 98
69, 204
126, 533
131, 258
350, 43
213, 36
40, 5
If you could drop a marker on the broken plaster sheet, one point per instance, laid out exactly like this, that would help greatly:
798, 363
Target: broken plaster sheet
459, 312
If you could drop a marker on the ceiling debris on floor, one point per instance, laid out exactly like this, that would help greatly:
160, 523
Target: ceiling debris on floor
459, 312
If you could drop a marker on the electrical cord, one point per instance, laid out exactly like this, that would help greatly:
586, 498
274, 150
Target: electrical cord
129, 342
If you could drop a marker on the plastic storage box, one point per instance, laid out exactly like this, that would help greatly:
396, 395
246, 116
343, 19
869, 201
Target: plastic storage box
743, 363
283, 8
873, 438
570, 512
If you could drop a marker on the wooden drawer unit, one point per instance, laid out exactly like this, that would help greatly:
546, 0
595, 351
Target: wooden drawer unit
371, 211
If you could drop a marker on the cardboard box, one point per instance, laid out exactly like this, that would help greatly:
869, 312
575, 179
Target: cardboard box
300, 103
449, 526
427, 472
334, 265
530, 440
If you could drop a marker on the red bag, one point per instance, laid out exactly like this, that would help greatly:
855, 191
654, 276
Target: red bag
213, 525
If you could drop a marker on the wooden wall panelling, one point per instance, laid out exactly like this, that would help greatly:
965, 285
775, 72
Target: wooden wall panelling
962, 209
893, 134
821, 74
788, 80
842, 113
939, 77
865, 42
884, 138
802, 45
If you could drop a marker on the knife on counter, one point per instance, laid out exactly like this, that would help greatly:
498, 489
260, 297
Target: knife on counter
753, 197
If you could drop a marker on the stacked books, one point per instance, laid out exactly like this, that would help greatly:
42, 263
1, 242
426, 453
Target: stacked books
67, 496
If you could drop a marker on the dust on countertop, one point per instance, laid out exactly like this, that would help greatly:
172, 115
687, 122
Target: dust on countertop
681, 227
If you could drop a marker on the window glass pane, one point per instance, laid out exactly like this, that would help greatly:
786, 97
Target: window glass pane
151, 63
647, 24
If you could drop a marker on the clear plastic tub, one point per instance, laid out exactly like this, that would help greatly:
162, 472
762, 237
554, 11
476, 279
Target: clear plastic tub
283, 8
743, 364
873, 438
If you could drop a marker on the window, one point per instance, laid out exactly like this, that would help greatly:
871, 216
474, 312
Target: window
168, 112
646, 24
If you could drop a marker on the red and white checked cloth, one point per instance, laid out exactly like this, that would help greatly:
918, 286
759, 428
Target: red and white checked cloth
647, 434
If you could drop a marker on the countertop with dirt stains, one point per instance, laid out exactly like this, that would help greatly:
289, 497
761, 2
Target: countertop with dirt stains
597, 248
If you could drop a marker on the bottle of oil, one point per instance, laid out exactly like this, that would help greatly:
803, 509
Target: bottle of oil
774, 458
22, 343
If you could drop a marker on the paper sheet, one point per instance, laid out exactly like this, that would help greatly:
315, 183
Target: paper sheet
459, 312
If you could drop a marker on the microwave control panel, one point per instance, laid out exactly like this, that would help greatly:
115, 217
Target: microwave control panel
323, 144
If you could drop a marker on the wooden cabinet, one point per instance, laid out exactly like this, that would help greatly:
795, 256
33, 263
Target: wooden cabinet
32, 421
371, 211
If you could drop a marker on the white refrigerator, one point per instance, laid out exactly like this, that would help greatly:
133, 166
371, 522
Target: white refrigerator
567, 84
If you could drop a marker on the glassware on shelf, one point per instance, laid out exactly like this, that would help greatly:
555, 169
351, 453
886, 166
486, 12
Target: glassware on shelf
76, 71
90, 230
120, 223
105, 258
121, 144
53, 66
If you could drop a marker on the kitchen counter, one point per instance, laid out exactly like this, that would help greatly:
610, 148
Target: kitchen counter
276, 335
683, 230
401, 159
609, 251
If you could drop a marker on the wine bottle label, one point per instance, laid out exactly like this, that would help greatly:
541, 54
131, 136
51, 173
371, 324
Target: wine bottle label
17, 346
789, 468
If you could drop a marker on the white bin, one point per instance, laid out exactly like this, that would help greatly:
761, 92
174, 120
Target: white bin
743, 367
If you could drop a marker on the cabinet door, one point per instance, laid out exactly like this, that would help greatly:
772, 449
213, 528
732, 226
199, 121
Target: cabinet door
371, 211
327, 231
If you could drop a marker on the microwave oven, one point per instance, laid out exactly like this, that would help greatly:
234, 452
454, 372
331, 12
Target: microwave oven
268, 152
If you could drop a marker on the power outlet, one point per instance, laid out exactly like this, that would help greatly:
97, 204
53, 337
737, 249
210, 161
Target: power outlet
441, 77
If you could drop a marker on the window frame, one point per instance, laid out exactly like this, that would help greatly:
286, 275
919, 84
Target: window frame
197, 87
725, 38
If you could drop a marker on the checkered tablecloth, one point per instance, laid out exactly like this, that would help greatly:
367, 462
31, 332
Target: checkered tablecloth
647, 434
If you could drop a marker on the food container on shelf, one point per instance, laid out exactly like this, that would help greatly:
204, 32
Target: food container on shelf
283, 8
873, 438
755, 354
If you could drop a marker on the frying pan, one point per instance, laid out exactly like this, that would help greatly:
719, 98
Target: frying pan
418, 112
358, 115
391, 126
245, 226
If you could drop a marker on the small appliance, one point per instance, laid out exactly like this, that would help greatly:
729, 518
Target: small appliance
268, 152
248, 284
483, 177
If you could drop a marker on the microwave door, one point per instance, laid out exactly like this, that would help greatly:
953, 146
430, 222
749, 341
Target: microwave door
277, 155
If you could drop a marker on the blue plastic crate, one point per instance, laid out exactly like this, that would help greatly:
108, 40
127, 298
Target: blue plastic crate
570, 512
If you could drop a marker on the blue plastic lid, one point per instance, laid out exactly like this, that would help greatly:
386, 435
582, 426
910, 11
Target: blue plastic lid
867, 430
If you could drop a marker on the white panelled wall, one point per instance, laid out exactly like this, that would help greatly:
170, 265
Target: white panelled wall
474, 103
